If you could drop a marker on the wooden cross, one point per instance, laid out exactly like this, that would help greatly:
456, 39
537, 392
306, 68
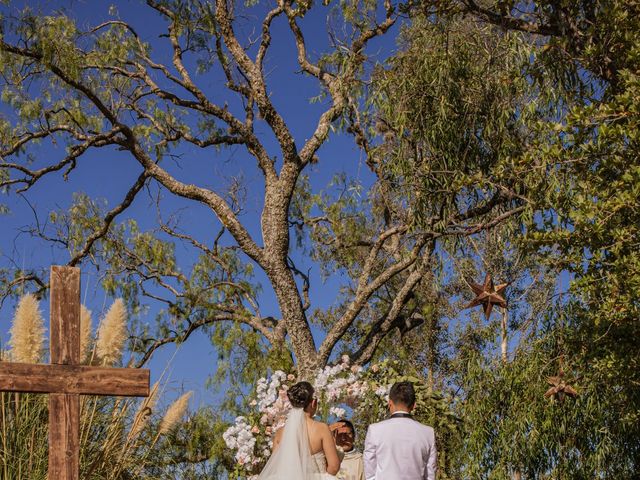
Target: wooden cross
65, 379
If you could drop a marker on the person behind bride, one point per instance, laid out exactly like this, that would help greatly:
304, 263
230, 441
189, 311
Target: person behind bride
303, 449
352, 466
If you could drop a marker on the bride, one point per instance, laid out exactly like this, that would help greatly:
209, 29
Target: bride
303, 449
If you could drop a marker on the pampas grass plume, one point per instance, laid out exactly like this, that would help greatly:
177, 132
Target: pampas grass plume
112, 334
27, 332
174, 414
145, 411
85, 332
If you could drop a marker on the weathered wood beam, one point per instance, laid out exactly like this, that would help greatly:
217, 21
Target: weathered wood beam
73, 379
64, 345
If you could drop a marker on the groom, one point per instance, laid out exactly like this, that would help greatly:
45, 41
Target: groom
400, 448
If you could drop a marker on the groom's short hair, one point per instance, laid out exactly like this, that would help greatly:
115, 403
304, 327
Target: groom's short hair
403, 393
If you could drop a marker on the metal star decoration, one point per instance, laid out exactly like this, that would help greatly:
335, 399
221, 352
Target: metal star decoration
559, 387
487, 295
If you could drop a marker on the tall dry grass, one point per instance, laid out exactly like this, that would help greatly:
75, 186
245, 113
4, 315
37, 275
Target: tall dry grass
27, 331
174, 414
118, 436
112, 334
24, 418
144, 413
85, 333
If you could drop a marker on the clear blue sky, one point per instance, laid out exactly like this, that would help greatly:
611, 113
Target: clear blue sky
108, 174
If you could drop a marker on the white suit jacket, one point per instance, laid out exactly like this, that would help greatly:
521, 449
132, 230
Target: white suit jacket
400, 449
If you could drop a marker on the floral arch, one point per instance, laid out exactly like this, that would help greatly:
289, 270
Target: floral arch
341, 389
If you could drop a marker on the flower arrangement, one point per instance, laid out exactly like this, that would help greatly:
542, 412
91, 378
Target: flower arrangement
338, 387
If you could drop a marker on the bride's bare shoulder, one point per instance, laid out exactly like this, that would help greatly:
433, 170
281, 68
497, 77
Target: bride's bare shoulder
320, 427
317, 423
314, 424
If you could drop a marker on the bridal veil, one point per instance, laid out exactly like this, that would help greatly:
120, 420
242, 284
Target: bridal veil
292, 459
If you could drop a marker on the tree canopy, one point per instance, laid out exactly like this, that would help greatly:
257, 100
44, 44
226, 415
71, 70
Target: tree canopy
497, 137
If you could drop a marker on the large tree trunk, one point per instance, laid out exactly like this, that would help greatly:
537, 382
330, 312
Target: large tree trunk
275, 234
296, 322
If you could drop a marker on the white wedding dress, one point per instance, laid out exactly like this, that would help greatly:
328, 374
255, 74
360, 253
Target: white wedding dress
293, 460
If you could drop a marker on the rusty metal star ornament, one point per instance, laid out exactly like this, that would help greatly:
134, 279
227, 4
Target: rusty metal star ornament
559, 387
487, 295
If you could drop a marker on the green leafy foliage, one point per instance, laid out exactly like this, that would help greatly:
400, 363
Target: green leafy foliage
566, 144
451, 106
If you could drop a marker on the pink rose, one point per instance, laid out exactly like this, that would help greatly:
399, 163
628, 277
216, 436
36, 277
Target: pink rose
291, 377
255, 430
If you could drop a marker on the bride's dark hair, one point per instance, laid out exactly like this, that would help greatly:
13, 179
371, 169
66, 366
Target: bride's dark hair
301, 394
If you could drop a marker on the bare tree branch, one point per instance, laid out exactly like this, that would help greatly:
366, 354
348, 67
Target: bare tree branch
21, 280
108, 220
509, 22
181, 337
375, 336
366, 288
